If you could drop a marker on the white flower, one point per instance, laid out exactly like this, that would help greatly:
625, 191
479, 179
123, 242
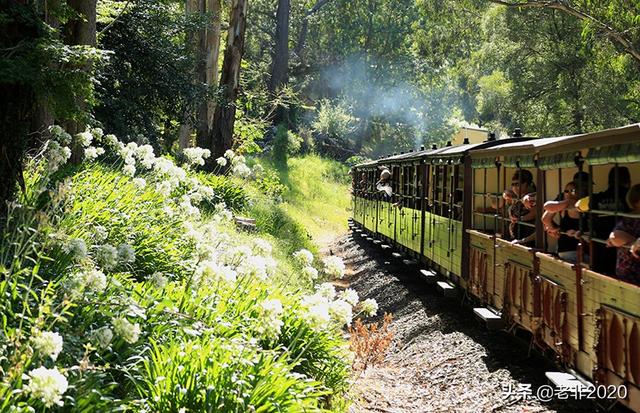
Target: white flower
97, 133
341, 311
56, 130
100, 233
210, 271
129, 170
334, 266
158, 280
126, 254
102, 337
222, 161
310, 272
238, 159
84, 138
145, 155
140, 183
56, 155
257, 169
125, 329
48, 385
111, 140
95, 280
270, 322
241, 170
164, 188
326, 290
48, 343
369, 307
90, 153
254, 266
77, 248
107, 256
261, 246
229, 154
350, 295
196, 156
317, 311
187, 207
304, 257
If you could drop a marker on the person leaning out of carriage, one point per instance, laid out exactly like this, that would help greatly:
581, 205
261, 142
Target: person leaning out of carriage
626, 238
567, 231
522, 210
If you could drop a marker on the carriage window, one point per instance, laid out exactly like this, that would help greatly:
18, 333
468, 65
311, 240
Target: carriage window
458, 191
610, 209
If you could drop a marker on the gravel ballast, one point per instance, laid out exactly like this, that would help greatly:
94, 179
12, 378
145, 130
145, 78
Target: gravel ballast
442, 359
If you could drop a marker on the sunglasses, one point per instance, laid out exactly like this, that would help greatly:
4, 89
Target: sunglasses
569, 191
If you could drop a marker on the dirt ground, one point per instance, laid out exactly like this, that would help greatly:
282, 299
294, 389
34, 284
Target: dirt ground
442, 359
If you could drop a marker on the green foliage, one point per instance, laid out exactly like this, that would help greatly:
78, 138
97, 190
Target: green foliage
100, 196
225, 190
35, 58
334, 120
269, 184
146, 88
285, 143
247, 131
181, 333
208, 375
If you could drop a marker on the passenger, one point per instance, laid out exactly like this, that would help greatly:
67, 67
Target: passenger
635, 248
520, 213
569, 226
384, 184
363, 182
604, 258
581, 181
624, 235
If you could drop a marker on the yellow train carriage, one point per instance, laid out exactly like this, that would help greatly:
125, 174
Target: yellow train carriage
446, 208
590, 320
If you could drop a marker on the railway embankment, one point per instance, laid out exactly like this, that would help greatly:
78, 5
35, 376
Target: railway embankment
441, 358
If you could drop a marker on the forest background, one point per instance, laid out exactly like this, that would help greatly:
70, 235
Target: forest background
339, 77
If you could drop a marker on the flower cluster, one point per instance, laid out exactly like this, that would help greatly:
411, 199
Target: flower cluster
270, 322
47, 343
325, 306
304, 257
57, 155
128, 331
196, 156
334, 266
76, 248
47, 385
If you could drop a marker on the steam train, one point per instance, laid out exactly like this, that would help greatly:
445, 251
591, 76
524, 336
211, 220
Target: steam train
443, 213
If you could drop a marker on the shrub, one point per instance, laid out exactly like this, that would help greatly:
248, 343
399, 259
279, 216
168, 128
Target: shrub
334, 120
225, 190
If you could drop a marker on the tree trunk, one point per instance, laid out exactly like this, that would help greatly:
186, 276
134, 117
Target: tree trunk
184, 132
80, 31
208, 72
43, 116
17, 103
224, 116
281, 55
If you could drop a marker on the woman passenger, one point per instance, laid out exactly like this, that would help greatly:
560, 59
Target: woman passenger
569, 223
624, 237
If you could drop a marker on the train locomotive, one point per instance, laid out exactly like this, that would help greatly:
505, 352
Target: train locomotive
443, 208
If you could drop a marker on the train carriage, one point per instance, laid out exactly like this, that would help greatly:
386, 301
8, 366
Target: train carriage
446, 209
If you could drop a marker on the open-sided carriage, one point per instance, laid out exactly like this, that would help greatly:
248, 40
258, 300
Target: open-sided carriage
445, 211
